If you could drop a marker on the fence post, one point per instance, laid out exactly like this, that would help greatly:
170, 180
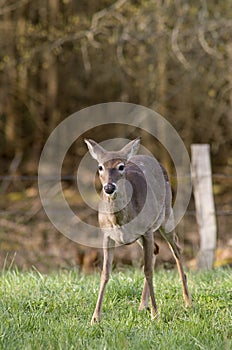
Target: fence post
204, 203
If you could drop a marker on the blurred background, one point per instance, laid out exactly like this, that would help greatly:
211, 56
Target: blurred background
59, 56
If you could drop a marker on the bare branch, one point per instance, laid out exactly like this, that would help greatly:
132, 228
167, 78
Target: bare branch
91, 39
12, 170
203, 14
13, 7
85, 56
175, 47
122, 60
97, 16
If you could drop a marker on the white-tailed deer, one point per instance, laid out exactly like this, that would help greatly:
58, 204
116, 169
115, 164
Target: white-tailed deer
135, 202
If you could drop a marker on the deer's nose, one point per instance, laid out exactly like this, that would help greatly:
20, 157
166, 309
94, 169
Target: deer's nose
109, 188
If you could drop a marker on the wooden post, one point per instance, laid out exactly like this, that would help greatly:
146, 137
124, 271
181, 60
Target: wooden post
204, 203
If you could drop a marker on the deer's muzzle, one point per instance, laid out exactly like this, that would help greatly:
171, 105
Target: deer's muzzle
109, 188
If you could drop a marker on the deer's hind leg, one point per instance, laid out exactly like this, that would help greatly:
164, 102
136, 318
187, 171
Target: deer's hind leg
172, 240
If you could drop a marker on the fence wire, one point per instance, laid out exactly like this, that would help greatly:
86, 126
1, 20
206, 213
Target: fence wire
8, 179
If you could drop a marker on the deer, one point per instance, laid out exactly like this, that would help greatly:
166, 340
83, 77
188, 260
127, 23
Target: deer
136, 201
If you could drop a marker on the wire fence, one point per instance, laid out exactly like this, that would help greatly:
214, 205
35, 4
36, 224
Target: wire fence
7, 180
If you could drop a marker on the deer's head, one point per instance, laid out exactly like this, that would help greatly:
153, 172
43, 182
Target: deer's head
112, 165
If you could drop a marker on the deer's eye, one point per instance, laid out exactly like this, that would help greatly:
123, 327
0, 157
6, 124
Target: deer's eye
121, 167
100, 168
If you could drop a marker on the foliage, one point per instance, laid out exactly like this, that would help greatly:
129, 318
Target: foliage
54, 312
59, 56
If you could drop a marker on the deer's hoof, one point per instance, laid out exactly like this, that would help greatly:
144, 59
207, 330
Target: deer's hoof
144, 307
95, 319
188, 303
155, 317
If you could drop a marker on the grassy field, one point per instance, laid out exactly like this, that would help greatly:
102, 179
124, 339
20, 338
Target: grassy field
54, 312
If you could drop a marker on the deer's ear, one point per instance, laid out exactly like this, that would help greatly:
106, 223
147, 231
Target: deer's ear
131, 148
96, 151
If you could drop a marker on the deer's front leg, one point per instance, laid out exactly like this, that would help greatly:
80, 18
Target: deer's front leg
108, 253
145, 294
148, 247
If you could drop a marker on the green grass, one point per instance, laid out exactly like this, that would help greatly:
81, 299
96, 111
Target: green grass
54, 312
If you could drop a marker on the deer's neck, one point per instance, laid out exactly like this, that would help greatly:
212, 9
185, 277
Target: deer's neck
121, 208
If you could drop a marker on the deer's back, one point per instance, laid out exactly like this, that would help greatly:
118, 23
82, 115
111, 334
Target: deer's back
145, 173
